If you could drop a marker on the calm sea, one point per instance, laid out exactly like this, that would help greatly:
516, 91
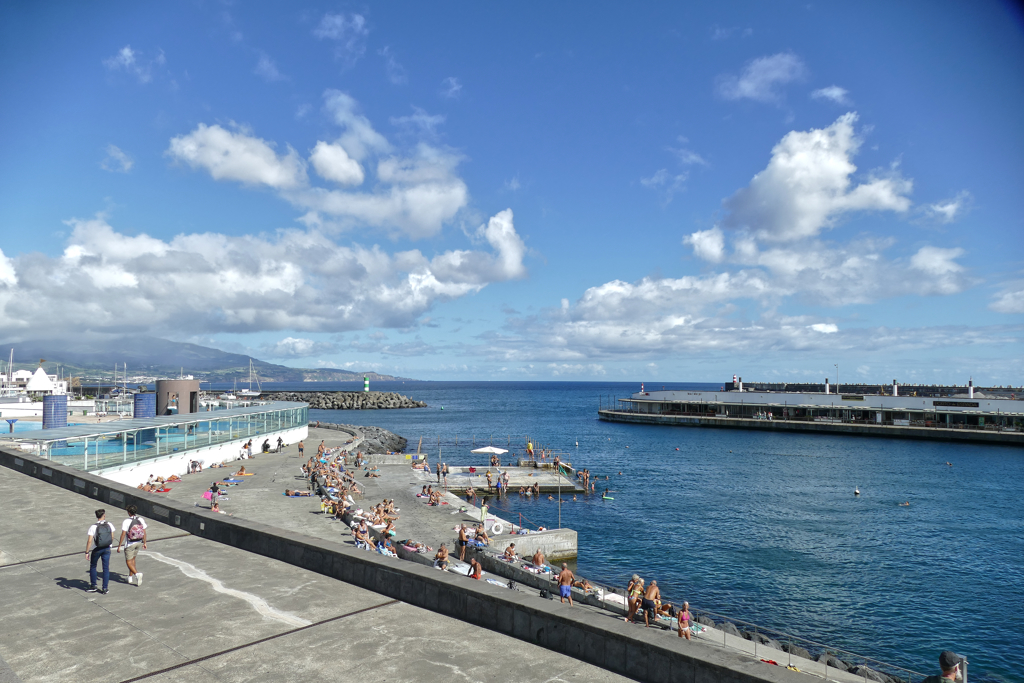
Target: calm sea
764, 527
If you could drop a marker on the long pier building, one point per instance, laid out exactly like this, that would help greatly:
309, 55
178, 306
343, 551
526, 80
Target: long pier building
961, 417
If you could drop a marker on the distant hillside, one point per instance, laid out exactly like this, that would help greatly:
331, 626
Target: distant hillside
155, 357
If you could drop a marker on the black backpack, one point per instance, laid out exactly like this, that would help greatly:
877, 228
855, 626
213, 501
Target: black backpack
103, 538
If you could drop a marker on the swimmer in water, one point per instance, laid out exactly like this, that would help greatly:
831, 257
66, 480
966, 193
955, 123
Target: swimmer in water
551, 497
905, 505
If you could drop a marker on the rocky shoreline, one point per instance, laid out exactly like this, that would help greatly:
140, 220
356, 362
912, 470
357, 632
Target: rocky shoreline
374, 439
350, 400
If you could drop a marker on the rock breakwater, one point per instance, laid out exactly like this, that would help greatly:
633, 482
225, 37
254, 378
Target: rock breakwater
369, 439
350, 400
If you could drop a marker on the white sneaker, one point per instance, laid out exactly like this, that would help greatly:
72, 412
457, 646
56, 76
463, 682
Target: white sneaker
138, 579
130, 577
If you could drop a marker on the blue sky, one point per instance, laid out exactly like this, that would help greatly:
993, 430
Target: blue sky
567, 191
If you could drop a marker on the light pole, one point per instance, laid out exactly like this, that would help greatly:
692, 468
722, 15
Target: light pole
838, 389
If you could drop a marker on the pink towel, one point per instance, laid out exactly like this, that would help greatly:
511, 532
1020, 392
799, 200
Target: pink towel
208, 495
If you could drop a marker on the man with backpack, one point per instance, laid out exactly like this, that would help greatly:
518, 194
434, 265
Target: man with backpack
133, 530
101, 537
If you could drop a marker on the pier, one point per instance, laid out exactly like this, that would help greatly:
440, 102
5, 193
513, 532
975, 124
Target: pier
954, 419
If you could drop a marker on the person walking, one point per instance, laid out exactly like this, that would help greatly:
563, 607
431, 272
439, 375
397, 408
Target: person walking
133, 530
439, 472
565, 579
100, 538
444, 474
949, 662
302, 449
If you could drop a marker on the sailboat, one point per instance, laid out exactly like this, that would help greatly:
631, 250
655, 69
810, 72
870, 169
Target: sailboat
229, 395
249, 393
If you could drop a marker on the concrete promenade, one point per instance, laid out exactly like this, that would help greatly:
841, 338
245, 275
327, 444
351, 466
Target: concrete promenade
275, 547
219, 614
1003, 438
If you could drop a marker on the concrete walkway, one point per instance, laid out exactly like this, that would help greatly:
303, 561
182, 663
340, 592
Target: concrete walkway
219, 614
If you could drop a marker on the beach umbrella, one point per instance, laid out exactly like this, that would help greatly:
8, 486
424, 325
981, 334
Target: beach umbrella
490, 450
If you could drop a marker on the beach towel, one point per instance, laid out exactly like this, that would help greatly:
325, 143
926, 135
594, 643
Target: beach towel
208, 495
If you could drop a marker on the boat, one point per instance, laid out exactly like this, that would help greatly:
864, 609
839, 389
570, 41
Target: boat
249, 393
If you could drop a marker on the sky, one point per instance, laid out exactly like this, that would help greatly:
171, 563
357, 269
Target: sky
529, 191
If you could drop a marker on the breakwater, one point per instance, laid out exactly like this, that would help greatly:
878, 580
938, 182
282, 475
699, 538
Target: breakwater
349, 400
372, 440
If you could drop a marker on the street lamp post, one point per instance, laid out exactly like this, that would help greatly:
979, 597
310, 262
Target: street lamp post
838, 388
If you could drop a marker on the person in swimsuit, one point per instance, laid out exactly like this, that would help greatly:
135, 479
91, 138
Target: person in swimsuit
634, 589
685, 618
565, 579
463, 542
652, 594
441, 558
475, 569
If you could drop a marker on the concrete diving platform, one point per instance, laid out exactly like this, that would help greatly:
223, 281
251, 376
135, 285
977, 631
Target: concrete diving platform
549, 481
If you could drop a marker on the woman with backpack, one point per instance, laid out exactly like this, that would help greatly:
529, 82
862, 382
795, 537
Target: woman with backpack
133, 530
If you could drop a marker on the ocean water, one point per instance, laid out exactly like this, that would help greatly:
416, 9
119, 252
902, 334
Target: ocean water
765, 527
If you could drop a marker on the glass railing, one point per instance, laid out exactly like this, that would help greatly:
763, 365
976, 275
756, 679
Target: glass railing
110, 449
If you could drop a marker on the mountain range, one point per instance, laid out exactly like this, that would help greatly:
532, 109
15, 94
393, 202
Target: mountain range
154, 357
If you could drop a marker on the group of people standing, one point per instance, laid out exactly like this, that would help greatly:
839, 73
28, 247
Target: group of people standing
648, 600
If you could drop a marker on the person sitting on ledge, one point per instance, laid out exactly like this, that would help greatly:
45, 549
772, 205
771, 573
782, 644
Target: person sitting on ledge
510, 553
441, 558
538, 558
481, 535
475, 568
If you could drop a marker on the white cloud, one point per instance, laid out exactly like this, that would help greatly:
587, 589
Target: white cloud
513, 184
708, 245
419, 121
668, 183
359, 138
349, 34
590, 369
416, 194
832, 93
293, 347
1010, 300
451, 87
762, 77
238, 156
332, 162
825, 328
947, 210
127, 61
8, 276
197, 283
117, 160
807, 185
267, 69
395, 71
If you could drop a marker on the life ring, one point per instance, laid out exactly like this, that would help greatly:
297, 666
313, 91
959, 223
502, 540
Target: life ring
497, 528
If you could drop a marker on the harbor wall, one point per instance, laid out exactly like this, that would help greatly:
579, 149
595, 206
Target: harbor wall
608, 643
885, 431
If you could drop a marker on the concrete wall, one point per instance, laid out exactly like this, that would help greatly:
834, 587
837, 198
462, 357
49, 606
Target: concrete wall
608, 643
556, 544
187, 391
135, 473
886, 431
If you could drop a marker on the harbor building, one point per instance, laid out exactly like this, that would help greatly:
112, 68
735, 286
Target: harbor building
963, 417
128, 451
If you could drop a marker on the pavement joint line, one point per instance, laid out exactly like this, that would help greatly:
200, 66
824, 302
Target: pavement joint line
149, 635
212, 655
57, 557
